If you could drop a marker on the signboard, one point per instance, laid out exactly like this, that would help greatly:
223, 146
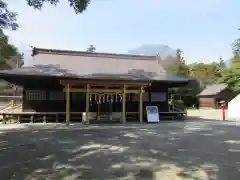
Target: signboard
152, 114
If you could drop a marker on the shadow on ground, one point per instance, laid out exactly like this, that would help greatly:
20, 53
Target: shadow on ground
176, 151
195, 118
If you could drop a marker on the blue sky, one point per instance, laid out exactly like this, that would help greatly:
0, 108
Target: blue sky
203, 29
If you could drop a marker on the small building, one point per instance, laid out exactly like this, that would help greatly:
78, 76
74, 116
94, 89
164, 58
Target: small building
78, 82
213, 94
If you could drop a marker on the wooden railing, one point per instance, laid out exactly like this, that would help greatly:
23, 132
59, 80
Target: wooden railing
176, 106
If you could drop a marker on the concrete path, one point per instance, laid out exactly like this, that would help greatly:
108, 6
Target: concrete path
167, 151
214, 114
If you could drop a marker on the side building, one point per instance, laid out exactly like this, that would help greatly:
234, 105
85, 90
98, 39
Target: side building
212, 96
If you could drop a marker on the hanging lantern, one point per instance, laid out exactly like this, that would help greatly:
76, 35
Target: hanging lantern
90, 98
120, 97
111, 98
96, 98
99, 99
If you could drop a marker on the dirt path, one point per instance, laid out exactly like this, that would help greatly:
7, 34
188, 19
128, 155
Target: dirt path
166, 151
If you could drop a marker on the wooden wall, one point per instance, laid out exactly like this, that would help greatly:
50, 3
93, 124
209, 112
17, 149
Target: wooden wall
56, 103
213, 101
207, 102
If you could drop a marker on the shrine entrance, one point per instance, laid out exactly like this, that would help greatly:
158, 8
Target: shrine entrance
99, 95
101, 105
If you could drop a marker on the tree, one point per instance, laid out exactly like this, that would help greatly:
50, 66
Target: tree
7, 18
78, 5
221, 64
8, 53
236, 47
91, 49
207, 73
179, 68
231, 75
220, 68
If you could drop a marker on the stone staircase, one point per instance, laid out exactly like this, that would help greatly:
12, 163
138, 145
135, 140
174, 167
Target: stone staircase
11, 108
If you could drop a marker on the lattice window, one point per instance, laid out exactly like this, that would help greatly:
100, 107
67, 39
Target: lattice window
35, 95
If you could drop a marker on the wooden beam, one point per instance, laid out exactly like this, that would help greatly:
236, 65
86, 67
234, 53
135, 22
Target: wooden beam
109, 91
104, 83
124, 103
87, 103
141, 105
67, 104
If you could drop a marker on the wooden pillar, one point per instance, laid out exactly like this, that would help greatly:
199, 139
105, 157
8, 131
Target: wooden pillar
87, 103
12, 103
14, 94
141, 104
124, 104
31, 119
44, 119
109, 109
98, 109
57, 117
149, 94
67, 104
4, 119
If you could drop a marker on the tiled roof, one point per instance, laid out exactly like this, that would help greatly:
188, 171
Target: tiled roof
213, 89
77, 64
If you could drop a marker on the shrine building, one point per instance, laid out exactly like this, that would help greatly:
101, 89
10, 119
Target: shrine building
93, 86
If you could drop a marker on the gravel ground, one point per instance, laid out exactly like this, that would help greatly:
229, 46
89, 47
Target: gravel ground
167, 151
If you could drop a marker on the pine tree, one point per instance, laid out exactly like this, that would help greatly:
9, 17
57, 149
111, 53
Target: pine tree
179, 68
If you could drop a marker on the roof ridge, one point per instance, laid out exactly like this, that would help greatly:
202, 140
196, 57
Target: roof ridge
36, 51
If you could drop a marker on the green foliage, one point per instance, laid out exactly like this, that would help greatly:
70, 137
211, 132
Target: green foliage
231, 75
207, 73
179, 68
8, 52
78, 5
7, 18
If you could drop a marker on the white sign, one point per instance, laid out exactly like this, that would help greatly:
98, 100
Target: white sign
152, 114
